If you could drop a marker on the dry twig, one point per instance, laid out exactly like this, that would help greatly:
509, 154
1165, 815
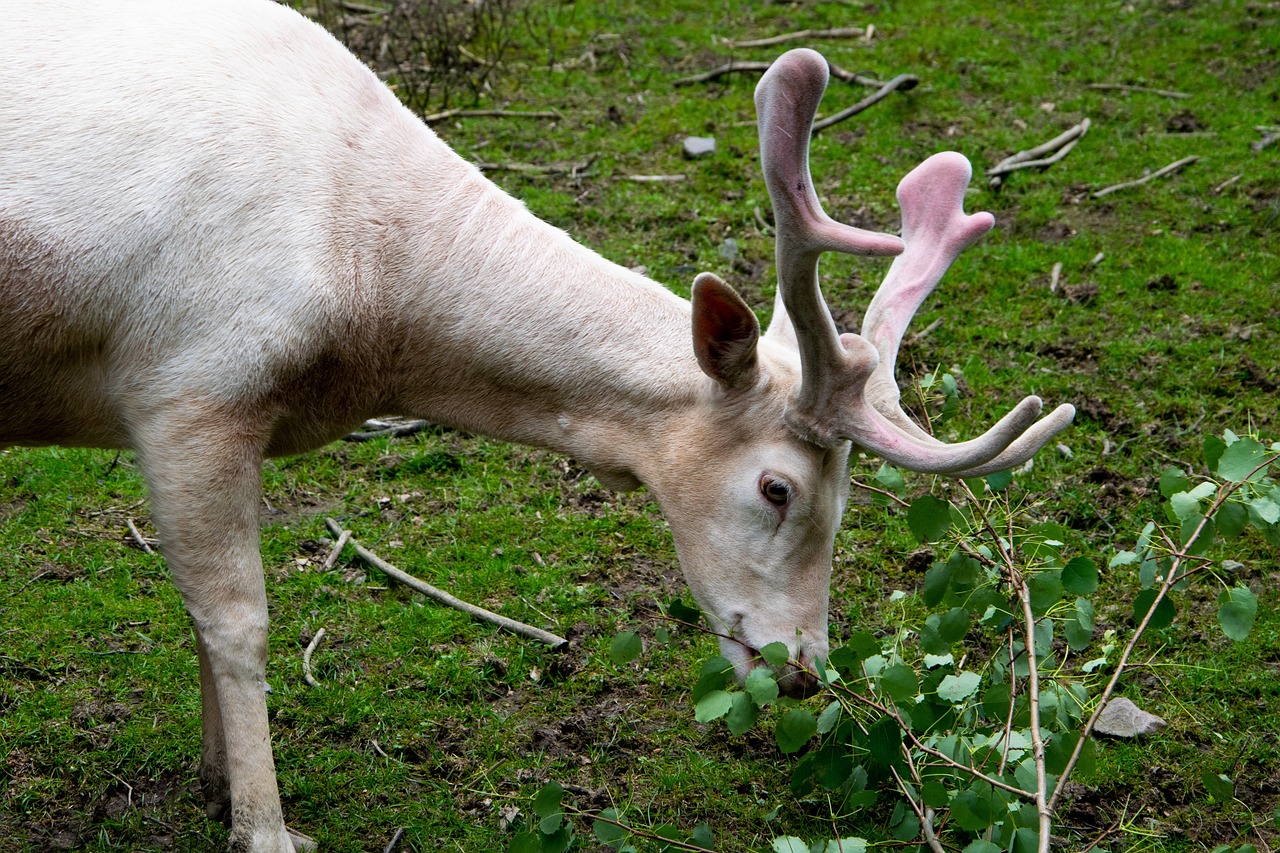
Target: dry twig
445, 598
902, 81
1159, 173
574, 170
138, 537
331, 560
756, 67
306, 658
800, 35
1269, 136
1124, 87
461, 113
1034, 158
387, 429
655, 179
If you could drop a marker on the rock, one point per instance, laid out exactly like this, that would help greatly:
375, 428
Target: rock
1122, 718
699, 146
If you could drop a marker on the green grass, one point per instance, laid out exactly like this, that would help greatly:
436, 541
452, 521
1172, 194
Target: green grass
428, 721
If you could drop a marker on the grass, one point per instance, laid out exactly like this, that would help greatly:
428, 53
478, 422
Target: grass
428, 721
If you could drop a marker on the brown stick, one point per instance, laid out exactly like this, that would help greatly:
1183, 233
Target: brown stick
1034, 158
445, 598
461, 113
902, 81
800, 35
138, 537
306, 658
574, 169
755, 67
1124, 87
1159, 173
387, 429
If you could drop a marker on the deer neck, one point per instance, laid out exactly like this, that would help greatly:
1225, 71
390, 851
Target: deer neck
519, 333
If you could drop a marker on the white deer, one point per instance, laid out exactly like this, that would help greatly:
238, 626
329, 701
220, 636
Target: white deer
222, 238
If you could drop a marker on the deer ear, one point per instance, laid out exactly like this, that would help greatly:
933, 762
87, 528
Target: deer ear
725, 333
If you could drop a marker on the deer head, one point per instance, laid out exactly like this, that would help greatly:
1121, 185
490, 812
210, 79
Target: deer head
843, 391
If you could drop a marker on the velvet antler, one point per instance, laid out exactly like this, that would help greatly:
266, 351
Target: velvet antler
847, 388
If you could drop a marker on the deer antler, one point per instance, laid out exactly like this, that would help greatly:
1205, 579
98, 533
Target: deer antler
847, 388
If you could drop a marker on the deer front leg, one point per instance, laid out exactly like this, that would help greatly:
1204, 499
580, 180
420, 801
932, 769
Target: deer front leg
205, 475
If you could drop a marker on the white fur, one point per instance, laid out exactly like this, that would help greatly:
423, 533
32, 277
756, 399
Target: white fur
222, 238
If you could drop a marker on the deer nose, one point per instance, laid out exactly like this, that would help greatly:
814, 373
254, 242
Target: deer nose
799, 682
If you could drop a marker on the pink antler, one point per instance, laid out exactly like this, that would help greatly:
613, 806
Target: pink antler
847, 388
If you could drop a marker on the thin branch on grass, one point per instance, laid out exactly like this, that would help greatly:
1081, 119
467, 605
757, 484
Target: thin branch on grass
924, 816
755, 67
1159, 173
464, 113
439, 595
574, 170
395, 841
138, 537
336, 552
1269, 136
765, 228
902, 81
1124, 87
800, 35
306, 658
1034, 158
655, 179
1055, 276
387, 429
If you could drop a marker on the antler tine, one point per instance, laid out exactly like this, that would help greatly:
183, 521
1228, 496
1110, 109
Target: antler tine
847, 388
786, 100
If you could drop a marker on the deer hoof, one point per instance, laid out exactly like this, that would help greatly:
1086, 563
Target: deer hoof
302, 843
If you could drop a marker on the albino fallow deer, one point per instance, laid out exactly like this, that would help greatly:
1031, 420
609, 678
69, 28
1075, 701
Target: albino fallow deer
222, 238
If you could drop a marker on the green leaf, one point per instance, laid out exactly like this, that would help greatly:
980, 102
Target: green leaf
999, 481
762, 685
1123, 558
1080, 576
1164, 613
1213, 450
828, 718
832, 766
1239, 461
609, 833
885, 741
1232, 518
1186, 506
981, 846
743, 714
547, 806
716, 674
996, 702
933, 793
957, 688
900, 682
1172, 481
1237, 609
713, 706
776, 654
936, 580
789, 844
1219, 785
929, 518
891, 479
1079, 626
953, 625
1045, 587
677, 609
625, 647
702, 837
794, 730
1265, 510
525, 842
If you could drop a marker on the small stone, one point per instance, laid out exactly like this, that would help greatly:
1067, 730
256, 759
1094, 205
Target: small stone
699, 146
1122, 718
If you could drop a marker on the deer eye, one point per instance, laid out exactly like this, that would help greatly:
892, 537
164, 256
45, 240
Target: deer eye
775, 491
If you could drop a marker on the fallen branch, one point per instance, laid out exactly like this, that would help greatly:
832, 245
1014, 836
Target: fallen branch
1269, 136
1159, 173
445, 598
1033, 158
138, 537
800, 35
461, 113
902, 81
757, 67
572, 169
1124, 87
306, 658
387, 429
655, 179
331, 560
